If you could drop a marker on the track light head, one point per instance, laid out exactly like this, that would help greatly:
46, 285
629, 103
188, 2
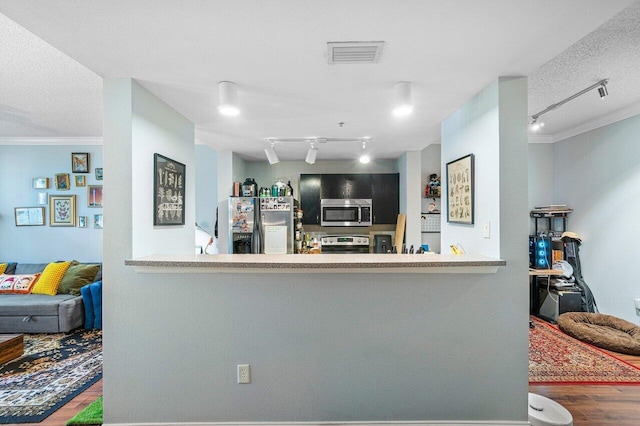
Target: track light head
312, 154
602, 90
535, 124
271, 154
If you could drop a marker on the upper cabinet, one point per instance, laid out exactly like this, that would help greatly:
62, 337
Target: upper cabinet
310, 199
382, 189
385, 198
344, 186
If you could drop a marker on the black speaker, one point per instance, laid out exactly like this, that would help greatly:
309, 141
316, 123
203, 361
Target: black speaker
543, 253
532, 251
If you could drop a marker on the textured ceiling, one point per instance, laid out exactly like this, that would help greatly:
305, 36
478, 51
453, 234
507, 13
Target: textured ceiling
276, 53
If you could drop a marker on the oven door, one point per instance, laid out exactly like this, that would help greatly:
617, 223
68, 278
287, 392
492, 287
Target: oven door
340, 216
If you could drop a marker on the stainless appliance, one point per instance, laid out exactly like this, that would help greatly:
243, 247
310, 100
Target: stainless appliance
276, 225
345, 212
243, 229
345, 244
382, 243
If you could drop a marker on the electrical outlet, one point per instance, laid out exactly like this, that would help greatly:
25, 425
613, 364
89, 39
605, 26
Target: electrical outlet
244, 373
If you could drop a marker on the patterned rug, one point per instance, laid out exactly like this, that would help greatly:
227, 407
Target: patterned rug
558, 359
54, 369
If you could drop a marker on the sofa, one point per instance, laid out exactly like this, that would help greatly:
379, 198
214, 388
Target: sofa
46, 297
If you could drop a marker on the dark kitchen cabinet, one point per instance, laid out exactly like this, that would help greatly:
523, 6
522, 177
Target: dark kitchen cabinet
310, 199
385, 198
344, 186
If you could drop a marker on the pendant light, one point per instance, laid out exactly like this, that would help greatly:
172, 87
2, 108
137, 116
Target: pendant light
402, 103
228, 93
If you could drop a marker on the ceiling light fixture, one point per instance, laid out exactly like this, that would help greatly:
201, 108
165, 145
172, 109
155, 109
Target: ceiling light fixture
271, 153
535, 124
364, 158
402, 104
312, 154
228, 93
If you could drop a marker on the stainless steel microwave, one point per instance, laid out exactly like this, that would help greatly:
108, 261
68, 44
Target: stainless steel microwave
345, 212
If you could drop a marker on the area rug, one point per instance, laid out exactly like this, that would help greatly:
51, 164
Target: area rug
558, 359
90, 415
53, 370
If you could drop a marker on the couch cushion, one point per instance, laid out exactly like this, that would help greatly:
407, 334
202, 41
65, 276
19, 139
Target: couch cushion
20, 284
31, 304
11, 268
50, 279
77, 275
3, 267
28, 268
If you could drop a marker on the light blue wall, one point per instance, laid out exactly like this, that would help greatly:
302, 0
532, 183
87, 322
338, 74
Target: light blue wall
18, 166
206, 170
597, 174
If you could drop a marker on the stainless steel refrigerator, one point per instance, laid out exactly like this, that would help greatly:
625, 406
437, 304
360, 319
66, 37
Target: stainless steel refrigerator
244, 235
276, 225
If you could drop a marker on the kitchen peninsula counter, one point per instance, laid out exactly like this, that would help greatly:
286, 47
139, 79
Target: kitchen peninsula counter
317, 263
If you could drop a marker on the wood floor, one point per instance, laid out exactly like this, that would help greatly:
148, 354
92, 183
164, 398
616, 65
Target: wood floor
589, 405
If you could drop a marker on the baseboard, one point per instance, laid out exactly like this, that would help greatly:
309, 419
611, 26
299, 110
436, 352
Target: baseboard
416, 423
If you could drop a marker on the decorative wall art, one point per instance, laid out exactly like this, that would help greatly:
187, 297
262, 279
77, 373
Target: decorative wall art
169, 190
63, 183
94, 196
97, 221
79, 162
82, 221
460, 201
81, 181
98, 173
29, 216
41, 183
62, 210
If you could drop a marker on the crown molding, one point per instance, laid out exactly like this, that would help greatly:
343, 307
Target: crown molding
605, 120
81, 140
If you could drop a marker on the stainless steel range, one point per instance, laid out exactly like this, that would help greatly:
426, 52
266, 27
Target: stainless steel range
345, 244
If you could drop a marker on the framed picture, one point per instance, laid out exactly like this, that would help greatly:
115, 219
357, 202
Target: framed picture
62, 182
79, 162
98, 173
460, 200
169, 190
97, 221
29, 216
82, 221
81, 181
43, 198
62, 210
41, 183
94, 196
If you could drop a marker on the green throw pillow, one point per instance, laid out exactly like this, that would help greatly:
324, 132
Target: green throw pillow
78, 275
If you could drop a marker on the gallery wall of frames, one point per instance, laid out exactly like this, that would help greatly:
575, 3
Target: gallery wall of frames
53, 193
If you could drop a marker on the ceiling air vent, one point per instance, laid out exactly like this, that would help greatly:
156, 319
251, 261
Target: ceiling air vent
354, 52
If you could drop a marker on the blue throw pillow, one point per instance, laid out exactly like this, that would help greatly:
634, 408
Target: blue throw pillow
87, 300
96, 296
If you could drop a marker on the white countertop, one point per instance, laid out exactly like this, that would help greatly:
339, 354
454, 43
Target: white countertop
316, 263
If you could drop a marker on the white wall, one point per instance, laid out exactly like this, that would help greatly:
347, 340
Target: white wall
137, 124
18, 166
206, 170
597, 174
409, 165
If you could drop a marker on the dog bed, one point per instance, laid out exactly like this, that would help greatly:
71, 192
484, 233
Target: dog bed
603, 331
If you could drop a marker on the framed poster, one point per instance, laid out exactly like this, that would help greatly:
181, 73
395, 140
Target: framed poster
29, 216
94, 196
168, 191
62, 210
460, 200
98, 173
82, 221
41, 183
81, 181
63, 183
97, 221
79, 162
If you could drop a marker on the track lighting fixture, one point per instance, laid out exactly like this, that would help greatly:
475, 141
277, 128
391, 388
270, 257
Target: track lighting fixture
402, 104
228, 98
271, 154
364, 158
312, 154
536, 124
